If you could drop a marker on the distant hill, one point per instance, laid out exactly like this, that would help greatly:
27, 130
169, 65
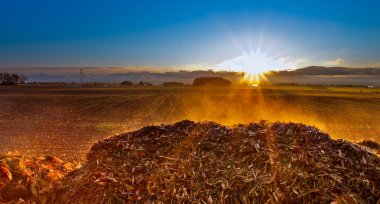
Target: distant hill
318, 70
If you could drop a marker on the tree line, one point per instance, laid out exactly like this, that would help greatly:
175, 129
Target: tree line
11, 79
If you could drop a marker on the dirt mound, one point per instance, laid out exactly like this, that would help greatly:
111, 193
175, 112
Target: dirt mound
206, 162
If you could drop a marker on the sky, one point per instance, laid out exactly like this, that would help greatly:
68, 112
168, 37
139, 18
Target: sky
189, 34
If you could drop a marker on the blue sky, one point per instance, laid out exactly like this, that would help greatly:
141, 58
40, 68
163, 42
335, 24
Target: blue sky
189, 34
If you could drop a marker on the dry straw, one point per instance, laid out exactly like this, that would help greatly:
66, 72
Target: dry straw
208, 163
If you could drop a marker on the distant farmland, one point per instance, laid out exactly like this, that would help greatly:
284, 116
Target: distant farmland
67, 121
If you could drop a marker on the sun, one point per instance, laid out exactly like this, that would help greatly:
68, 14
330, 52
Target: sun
254, 65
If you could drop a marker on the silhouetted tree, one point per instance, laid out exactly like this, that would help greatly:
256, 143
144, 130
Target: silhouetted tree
143, 83
211, 81
126, 83
11, 79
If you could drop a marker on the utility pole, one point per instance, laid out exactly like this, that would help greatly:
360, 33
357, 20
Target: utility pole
81, 76
242, 78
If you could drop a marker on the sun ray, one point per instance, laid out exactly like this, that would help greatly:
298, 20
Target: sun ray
255, 64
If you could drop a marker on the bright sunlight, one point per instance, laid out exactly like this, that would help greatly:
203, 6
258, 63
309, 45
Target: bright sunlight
255, 64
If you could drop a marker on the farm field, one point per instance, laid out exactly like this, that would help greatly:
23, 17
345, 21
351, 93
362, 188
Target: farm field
66, 121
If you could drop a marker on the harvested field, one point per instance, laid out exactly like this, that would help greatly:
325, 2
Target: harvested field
66, 121
206, 162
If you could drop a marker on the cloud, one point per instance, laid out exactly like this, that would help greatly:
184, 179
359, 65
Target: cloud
373, 64
376, 64
336, 62
199, 66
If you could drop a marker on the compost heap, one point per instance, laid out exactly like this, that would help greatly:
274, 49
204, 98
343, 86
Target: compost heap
209, 163
30, 178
